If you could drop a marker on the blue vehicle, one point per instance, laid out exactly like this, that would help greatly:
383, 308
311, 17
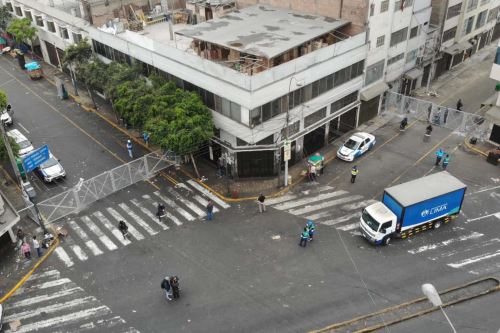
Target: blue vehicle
421, 204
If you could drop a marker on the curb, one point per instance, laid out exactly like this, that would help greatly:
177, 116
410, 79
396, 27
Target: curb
32, 270
474, 149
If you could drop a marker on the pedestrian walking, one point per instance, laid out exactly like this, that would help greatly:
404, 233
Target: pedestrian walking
311, 228
260, 202
304, 237
165, 285
429, 111
210, 210
20, 238
145, 137
161, 211
313, 172
445, 115
439, 156
123, 227
26, 250
174, 283
459, 105
129, 148
354, 173
446, 161
36, 246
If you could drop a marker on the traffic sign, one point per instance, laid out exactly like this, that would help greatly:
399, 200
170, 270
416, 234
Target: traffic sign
35, 158
287, 151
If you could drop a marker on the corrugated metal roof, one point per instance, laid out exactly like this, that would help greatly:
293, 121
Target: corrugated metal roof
425, 188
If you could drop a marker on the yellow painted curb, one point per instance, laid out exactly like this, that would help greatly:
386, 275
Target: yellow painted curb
27, 276
474, 149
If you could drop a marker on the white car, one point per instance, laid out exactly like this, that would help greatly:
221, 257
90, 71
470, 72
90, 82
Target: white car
51, 170
5, 116
355, 146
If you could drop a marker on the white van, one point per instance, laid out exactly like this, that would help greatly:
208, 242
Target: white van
25, 145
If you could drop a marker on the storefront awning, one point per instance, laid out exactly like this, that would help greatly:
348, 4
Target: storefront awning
457, 48
413, 74
493, 115
373, 91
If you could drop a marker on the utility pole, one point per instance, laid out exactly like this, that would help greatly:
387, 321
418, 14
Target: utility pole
287, 145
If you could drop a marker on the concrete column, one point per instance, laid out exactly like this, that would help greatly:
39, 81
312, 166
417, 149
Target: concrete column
327, 131
299, 148
44, 51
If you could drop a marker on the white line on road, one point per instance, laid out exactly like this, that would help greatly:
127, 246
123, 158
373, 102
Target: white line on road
83, 235
147, 212
167, 214
6, 82
348, 227
341, 219
326, 204
137, 219
177, 208
77, 250
118, 235
204, 202
464, 249
133, 231
65, 258
473, 235
483, 190
24, 128
97, 231
43, 298
50, 273
281, 199
358, 205
475, 259
187, 203
497, 215
49, 284
306, 200
209, 194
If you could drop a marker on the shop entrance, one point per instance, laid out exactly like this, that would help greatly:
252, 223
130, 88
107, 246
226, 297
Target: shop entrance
314, 140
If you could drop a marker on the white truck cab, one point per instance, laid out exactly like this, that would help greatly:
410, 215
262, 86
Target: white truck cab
378, 223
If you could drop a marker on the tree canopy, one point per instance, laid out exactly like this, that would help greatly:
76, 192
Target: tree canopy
22, 30
3, 100
5, 17
77, 54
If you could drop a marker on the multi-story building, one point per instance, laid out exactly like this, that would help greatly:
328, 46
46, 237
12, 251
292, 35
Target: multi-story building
466, 26
493, 114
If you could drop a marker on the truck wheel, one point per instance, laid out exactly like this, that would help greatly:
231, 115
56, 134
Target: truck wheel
387, 240
437, 224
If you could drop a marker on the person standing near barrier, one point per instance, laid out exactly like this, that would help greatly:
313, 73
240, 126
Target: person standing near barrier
129, 148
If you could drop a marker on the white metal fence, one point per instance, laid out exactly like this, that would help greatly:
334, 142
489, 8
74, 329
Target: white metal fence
90, 190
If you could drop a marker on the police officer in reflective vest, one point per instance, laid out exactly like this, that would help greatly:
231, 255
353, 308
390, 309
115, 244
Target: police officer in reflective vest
354, 173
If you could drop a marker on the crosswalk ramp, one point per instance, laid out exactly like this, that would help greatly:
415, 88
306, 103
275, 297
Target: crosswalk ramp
325, 205
96, 233
48, 302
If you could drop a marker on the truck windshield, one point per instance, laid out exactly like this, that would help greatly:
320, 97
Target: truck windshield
370, 221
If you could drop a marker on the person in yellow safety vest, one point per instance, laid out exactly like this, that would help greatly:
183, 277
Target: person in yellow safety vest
354, 173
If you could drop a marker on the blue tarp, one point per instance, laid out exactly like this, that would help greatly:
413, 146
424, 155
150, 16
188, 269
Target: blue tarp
31, 66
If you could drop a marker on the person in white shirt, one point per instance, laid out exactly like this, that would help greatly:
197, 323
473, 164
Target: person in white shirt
37, 247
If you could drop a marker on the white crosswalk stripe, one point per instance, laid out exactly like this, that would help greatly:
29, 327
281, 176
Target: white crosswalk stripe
148, 213
323, 205
187, 203
137, 219
204, 202
342, 219
105, 221
300, 202
64, 257
133, 231
80, 254
176, 207
167, 214
83, 235
62, 307
208, 194
97, 231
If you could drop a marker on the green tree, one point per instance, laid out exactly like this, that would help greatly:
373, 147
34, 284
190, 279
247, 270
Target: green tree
75, 56
133, 100
5, 17
15, 148
3, 100
22, 30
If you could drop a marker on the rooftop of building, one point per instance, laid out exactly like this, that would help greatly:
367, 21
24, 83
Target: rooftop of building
262, 30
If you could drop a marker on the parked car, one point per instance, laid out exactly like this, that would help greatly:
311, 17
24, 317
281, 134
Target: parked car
6, 117
358, 144
25, 145
51, 170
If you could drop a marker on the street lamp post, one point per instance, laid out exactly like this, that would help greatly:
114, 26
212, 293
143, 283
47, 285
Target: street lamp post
433, 296
287, 133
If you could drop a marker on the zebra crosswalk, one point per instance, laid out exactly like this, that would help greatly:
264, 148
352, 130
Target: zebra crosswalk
324, 205
96, 233
48, 302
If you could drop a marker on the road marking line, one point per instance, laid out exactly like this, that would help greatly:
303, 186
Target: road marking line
204, 202
77, 250
462, 250
45, 285
97, 231
65, 258
49, 309
133, 231
147, 212
447, 242
66, 319
43, 298
167, 214
358, 205
475, 259
341, 219
187, 203
209, 194
50, 273
107, 323
326, 204
137, 219
348, 227
497, 215
6, 82
83, 235
118, 235
24, 128
281, 199
483, 190
307, 200
319, 215
177, 208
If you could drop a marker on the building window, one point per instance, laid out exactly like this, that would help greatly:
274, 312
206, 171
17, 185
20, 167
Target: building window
344, 101
402, 4
449, 34
492, 15
39, 21
9, 6
374, 72
399, 36
64, 32
18, 10
411, 56
384, 6
414, 32
481, 19
395, 59
51, 26
77, 38
471, 5
468, 25
380, 41
315, 117
292, 129
453, 11
28, 15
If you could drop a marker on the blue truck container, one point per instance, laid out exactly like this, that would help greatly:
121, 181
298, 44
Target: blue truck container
412, 207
